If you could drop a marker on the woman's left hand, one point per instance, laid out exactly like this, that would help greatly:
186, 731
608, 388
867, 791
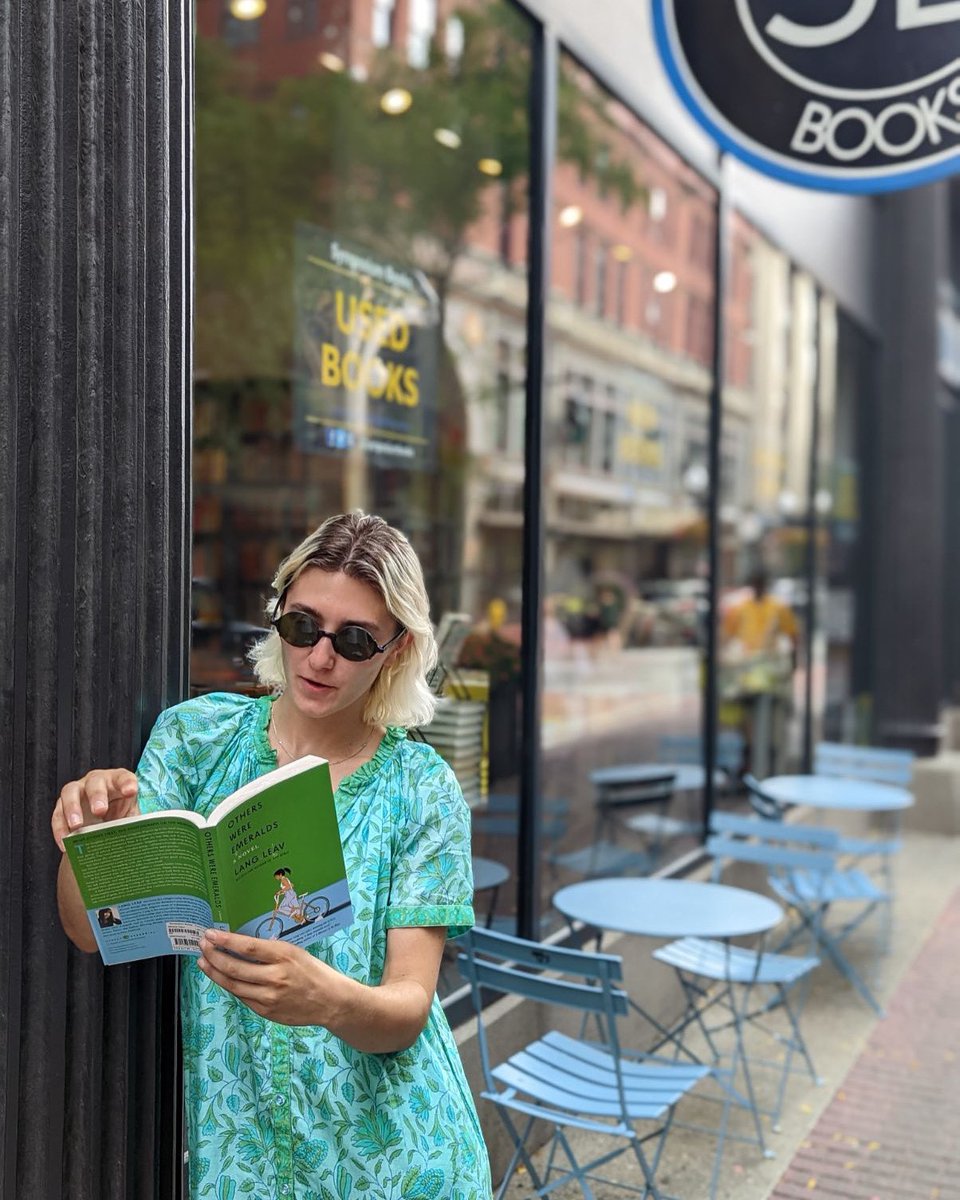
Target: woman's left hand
280, 982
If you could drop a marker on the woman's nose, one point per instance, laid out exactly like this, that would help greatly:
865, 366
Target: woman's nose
323, 653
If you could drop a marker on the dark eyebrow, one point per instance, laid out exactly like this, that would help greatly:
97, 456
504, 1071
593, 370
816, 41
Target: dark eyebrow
306, 608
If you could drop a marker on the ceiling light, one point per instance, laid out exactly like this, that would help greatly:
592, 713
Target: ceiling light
570, 216
664, 281
490, 166
247, 10
333, 62
396, 101
447, 137
622, 252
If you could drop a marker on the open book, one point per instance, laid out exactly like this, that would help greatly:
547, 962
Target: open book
267, 862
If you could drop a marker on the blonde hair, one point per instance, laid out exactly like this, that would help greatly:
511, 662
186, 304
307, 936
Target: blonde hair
366, 548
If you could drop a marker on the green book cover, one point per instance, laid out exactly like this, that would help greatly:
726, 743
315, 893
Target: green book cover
266, 862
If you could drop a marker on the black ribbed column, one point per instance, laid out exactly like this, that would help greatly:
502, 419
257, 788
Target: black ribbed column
908, 472
94, 555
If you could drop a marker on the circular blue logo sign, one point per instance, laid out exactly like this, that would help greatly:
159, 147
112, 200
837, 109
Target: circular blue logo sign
844, 95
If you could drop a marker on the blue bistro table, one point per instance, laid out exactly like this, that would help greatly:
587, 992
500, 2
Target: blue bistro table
676, 908
488, 875
829, 791
668, 908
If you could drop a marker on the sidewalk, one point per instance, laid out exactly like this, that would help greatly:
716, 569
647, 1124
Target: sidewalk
885, 1123
893, 1127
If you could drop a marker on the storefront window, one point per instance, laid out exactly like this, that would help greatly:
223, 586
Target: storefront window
847, 713
361, 295
630, 327
773, 364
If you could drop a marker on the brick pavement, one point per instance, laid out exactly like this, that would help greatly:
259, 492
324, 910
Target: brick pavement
892, 1130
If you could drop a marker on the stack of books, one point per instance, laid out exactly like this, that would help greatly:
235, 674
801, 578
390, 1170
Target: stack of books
458, 733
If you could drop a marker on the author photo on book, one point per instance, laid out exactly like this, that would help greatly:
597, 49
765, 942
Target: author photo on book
331, 1069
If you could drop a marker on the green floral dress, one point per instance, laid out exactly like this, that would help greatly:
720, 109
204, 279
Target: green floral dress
289, 1111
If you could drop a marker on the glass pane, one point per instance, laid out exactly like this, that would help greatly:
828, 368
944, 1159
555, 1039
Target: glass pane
630, 352
847, 714
771, 360
360, 327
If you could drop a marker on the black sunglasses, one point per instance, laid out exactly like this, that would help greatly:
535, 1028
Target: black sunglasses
352, 642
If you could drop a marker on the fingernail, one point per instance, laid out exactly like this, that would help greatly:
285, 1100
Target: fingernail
74, 819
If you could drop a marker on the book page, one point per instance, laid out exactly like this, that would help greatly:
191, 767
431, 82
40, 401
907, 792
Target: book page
144, 886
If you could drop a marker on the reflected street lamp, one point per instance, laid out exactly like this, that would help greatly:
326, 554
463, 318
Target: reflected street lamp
247, 10
696, 481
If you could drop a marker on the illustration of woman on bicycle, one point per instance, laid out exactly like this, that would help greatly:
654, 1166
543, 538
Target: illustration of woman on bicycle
286, 900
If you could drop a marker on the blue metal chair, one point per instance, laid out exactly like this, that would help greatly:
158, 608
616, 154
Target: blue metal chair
688, 748
803, 870
855, 848
752, 982
498, 817
877, 764
618, 790
567, 1082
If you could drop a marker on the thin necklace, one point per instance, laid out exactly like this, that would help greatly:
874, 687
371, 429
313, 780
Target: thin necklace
330, 762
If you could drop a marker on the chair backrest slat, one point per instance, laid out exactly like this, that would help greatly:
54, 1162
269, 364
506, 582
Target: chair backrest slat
584, 997
515, 966
545, 958
688, 748
774, 832
769, 854
878, 764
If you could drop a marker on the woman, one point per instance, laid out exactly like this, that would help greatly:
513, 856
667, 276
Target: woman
285, 899
328, 1071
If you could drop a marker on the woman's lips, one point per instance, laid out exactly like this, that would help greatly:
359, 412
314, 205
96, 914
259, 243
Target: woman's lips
315, 685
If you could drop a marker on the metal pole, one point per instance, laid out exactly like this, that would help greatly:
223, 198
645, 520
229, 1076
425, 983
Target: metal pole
715, 429
812, 524
543, 107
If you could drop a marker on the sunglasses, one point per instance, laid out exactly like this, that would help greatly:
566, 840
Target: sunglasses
352, 642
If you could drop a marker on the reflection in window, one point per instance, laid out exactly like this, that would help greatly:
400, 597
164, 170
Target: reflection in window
240, 30
580, 267
626, 545
501, 435
768, 400
359, 342
578, 422
422, 26
453, 34
302, 17
383, 18
600, 279
621, 301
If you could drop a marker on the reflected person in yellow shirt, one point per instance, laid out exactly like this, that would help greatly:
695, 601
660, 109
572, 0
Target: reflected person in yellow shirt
756, 634
759, 624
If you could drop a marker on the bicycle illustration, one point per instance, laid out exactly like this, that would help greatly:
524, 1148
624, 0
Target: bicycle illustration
291, 917
291, 911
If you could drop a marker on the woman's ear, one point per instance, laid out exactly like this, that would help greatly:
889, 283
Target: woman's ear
398, 648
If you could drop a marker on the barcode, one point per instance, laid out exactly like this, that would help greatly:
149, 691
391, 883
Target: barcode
184, 936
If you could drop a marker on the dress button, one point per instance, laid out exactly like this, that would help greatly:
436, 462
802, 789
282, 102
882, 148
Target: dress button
280, 1101
285, 1189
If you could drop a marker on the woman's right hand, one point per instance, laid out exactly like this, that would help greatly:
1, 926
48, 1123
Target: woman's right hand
99, 796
